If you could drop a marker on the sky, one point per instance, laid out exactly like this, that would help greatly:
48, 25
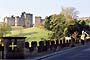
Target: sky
42, 8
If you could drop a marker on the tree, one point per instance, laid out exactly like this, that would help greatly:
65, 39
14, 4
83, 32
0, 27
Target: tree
87, 22
63, 24
70, 13
57, 25
4, 29
47, 23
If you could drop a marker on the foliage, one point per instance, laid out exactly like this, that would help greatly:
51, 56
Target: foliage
47, 23
76, 29
65, 24
4, 29
87, 22
57, 24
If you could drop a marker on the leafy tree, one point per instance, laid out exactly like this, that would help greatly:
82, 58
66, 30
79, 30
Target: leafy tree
4, 29
63, 24
47, 23
87, 22
57, 25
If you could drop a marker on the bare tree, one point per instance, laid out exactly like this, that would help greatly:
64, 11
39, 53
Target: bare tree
70, 13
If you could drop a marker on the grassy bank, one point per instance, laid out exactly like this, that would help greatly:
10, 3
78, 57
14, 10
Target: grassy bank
32, 34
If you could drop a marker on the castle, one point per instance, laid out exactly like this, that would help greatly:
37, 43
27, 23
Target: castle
25, 20
84, 18
39, 21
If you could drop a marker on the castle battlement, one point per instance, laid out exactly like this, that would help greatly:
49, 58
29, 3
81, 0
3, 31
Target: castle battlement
25, 20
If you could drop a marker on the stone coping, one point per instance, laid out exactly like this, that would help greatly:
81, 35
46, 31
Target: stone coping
13, 37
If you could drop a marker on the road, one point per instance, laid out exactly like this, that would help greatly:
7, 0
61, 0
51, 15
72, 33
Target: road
77, 53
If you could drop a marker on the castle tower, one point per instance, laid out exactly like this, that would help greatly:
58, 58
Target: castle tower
28, 19
10, 20
38, 21
6, 20
17, 20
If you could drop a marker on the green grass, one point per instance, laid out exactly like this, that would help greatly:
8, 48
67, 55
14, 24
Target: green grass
32, 34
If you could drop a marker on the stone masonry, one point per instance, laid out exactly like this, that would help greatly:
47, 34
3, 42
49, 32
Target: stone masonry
25, 20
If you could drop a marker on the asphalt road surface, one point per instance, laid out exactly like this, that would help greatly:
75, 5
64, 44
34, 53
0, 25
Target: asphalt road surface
77, 53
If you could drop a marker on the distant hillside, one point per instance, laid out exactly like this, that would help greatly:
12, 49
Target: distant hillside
32, 34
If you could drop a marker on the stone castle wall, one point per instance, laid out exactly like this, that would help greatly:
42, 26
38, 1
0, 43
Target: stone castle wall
26, 20
39, 21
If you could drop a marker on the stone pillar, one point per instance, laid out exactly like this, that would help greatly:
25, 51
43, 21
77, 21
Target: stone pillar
47, 44
41, 46
14, 47
34, 47
53, 47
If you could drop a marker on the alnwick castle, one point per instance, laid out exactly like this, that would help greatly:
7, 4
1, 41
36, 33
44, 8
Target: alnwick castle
25, 20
